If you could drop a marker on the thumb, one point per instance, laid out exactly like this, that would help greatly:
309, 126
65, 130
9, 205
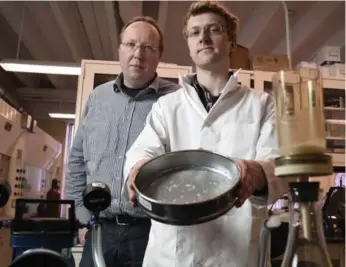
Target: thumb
132, 194
132, 175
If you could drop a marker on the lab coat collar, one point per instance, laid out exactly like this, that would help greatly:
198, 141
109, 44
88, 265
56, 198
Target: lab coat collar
186, 82
193, 98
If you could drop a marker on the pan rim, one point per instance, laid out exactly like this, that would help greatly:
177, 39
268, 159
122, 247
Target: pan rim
157, 202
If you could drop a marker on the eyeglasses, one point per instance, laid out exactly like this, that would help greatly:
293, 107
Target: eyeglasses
132, 46
210, 29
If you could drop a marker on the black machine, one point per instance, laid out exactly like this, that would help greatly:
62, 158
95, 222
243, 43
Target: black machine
334, 213
42, 242
5, 192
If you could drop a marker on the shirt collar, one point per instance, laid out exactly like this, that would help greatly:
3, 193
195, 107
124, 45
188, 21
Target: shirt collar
119, 81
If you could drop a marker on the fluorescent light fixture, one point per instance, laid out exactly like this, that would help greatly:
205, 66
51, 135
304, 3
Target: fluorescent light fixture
62, 116
32, 66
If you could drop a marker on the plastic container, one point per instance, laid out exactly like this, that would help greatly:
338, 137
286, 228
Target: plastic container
299, 112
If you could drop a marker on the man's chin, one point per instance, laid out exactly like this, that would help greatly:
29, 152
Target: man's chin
209, 61
136, 75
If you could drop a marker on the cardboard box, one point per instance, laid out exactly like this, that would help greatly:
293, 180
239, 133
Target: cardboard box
327, 55
240, 58
304, 64
334, 72
267, 62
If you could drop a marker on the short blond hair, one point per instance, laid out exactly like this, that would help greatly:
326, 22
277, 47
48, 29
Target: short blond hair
202, 7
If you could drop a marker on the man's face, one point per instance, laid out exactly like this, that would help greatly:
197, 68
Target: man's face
139, 53
207, 40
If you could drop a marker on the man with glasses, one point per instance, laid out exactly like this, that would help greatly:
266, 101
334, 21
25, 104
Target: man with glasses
113, 117
213, 112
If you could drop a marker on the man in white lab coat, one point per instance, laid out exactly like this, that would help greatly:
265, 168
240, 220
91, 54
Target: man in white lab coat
211, 111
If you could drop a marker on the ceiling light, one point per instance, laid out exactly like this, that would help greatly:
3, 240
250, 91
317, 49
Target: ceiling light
41, 67
62, 116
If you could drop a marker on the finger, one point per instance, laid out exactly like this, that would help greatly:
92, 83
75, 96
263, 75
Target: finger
241, 193
133, 199
132, 194
246, 189
245, 194
129, 183
240, 201
239, 190
238, 194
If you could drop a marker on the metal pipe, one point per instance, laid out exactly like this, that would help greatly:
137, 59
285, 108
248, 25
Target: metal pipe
305, 209
96, 245
288, 38
272, 223
263, 245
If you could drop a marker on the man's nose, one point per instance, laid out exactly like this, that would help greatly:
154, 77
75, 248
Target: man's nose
204, 37
138, 52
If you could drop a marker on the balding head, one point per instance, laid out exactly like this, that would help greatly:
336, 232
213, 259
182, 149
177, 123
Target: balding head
140, 51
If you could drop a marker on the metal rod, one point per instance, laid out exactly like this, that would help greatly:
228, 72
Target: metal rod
263, 245
291, 244
288, 38
20, 31
305, 209
96, 245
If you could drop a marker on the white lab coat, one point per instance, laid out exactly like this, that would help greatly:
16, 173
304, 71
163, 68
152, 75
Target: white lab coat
240, 124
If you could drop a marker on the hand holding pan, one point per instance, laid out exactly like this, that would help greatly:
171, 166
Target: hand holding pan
185, 187
130, 183
252, 178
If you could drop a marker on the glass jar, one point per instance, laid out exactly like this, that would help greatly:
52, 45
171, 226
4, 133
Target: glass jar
299, 112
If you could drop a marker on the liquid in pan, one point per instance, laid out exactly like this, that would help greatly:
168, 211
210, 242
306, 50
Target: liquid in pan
192, 185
